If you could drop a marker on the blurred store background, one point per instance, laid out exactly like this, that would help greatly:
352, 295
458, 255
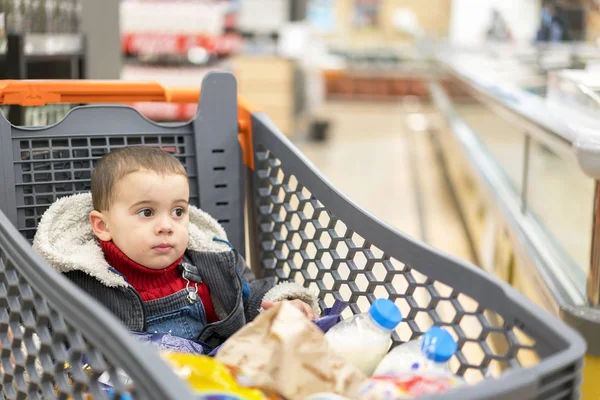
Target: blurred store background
289, 56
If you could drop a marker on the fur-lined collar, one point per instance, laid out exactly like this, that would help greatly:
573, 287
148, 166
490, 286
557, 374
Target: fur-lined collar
65, 239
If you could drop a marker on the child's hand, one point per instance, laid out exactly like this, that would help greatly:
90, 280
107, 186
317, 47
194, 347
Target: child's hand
299, 304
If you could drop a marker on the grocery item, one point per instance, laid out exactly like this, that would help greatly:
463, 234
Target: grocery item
209, 378
219, 396
326, 396
284, 352
364, 339
408, 386
104, 380
414, 369
167, 342
331, 316
112, 395
430, 352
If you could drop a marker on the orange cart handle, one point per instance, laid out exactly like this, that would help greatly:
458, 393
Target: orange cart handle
41, 92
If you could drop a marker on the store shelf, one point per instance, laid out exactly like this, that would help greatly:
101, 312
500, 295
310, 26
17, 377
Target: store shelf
156, 44
169, 76
270, 83
40, 56
163, 112
40, 46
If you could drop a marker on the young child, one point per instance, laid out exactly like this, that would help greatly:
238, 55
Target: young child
159, 264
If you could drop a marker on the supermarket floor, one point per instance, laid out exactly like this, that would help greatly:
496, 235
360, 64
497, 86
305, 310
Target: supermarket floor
389, 170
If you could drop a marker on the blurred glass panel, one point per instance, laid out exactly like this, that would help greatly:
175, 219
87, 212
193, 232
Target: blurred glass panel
562, 198
505, 140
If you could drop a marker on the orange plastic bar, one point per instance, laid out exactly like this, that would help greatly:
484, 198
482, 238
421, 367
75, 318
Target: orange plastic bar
40, 92
245, 111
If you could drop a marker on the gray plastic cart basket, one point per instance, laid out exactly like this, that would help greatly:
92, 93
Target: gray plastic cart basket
298, 226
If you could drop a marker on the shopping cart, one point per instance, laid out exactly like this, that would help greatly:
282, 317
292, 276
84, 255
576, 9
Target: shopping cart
296, 224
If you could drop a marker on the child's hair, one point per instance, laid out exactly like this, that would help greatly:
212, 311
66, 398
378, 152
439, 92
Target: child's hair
117, 164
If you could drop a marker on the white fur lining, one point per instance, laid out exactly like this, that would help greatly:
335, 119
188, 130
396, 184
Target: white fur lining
293, 291
65, 238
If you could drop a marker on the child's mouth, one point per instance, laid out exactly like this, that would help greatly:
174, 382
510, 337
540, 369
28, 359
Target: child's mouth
163, 248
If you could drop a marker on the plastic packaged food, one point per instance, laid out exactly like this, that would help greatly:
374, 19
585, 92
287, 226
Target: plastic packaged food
326, 396
166, 342
104, 381
364, 339
284, 352
408, 386
430, 352
210, 379
331, 316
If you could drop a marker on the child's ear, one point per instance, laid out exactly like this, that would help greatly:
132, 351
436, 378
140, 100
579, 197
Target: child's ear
98, 223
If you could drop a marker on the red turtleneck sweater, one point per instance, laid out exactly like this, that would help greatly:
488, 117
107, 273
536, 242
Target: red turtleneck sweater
154, 284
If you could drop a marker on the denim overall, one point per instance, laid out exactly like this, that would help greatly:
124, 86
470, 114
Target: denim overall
186, 316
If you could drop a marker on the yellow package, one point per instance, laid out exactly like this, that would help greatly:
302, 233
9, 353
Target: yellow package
209, 377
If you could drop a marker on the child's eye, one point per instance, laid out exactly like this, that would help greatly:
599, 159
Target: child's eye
146, 212
178, 212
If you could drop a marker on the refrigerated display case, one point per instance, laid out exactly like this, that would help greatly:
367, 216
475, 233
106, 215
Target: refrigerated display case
526, 164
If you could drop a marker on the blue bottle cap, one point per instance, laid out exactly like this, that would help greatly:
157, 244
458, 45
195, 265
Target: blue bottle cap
385, 313
438, 345
124, 396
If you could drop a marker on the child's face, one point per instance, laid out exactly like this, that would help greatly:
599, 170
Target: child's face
148, 218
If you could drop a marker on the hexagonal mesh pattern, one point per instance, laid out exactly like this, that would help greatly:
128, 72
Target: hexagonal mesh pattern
303, 241
42, 354
47, 169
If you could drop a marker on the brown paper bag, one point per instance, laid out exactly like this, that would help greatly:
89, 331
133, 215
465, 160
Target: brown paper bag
282, 351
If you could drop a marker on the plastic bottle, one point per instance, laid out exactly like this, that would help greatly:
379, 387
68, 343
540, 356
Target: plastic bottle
414, 369
429, 353
364, 339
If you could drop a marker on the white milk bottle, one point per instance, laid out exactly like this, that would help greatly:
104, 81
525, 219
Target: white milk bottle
414, 369
364, 339
429, 353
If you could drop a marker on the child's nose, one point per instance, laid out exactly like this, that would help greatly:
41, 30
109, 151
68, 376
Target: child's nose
164, 226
